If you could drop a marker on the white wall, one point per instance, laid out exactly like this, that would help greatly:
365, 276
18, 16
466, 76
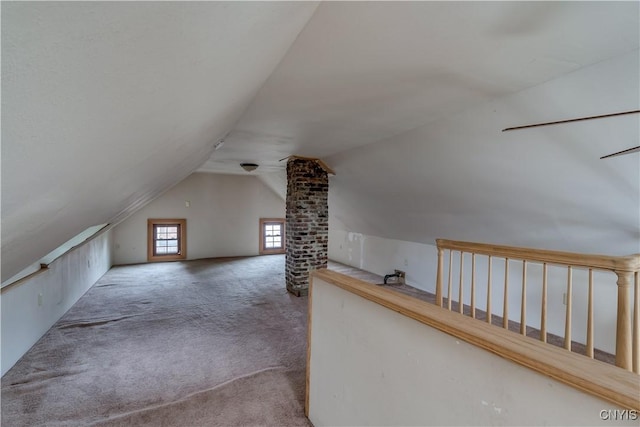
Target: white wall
420, 262
222, 219
381, 256
25, 320
373, 366
461, 178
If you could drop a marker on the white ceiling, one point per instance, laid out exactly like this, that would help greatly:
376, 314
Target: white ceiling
362, 72
106, 105
461, 178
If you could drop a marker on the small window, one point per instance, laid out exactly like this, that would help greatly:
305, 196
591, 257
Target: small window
271, 236
167, 239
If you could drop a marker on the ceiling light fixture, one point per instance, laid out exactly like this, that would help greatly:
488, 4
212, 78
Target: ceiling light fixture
219, 144
249, 166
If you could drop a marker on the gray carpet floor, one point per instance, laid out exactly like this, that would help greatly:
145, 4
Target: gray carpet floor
214, 342
211, 342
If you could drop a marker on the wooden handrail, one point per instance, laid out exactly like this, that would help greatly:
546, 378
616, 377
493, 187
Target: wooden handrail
625, 267
600, 379
25, 279
45, 267
629, 263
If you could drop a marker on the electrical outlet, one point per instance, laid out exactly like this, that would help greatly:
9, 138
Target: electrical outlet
406, 262
401, 275
39, 299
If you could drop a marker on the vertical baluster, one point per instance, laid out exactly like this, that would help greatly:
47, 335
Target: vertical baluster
567, 321
505, 303
636, 326
590, 316
450, 283
473, 286
439, 277
543, 312
460, 291
523, 302
489, 291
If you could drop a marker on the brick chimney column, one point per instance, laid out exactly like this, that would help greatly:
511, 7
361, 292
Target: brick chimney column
307, 222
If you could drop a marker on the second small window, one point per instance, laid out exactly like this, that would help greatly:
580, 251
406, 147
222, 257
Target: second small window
271, 236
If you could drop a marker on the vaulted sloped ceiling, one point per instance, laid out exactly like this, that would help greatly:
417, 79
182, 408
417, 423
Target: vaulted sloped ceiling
406, 101
461, 178
362, 72
105, 105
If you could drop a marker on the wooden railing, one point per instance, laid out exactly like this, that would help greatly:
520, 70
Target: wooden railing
603, 380
627, 346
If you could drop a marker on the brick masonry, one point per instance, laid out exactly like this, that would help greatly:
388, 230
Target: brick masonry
307, 222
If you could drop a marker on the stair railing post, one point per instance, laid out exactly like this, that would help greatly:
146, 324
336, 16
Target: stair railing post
623, 324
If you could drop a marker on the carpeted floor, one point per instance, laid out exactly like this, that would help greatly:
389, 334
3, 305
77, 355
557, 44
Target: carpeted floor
211, 342
214, 342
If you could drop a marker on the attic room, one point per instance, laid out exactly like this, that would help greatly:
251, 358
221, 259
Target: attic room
320, 213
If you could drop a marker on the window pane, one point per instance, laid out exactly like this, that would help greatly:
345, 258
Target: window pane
273, 242
272, 230
165, 239
172, 232
167, 243
271, 236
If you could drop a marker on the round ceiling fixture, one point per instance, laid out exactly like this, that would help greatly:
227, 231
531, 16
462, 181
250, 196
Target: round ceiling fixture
249, 166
